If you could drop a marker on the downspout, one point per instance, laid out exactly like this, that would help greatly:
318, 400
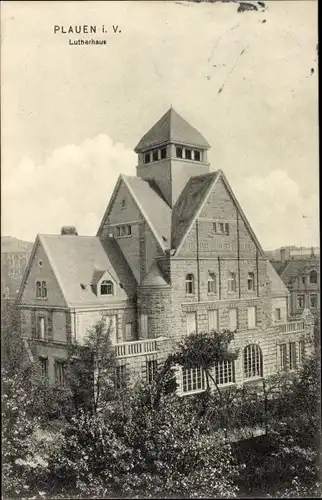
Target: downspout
257, 273
198, 262
238, 256
219, 276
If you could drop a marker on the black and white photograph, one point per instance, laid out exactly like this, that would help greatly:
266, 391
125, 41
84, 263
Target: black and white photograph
160, 249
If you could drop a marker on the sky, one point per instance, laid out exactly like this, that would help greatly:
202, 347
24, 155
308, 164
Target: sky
72, 114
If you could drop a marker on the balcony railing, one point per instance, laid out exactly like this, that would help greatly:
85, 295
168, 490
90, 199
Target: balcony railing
139, 347
292, 326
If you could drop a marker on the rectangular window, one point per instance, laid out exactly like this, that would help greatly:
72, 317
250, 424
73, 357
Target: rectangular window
38, 290
212, 319
232, 282
120, 376
196, 155
232, 320
144, 326
283, 357
293, 363
129, 332
251, 282
214, 227
226, 228
301, 351
44, 366
163, 153
251, 317
122, 230
300, 301
278, 314
147, 158
41, 327
118, 231
191, 322
192, 380
188, 154
224, 372
129, 230
60, 373
179, 152
221, 227
155, 155
313, 300
151, 369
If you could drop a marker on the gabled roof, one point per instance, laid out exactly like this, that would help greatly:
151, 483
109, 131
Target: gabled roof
75, 260
171, 128
278, 288
154, 277
153, 207
202, 192
188, 203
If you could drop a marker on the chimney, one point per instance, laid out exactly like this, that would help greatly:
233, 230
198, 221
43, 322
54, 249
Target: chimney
70, 230
283, 255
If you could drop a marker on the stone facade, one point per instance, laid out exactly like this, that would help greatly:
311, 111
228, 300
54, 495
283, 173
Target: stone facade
217, 277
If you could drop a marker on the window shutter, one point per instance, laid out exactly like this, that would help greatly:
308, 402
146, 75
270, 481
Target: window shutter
129, 331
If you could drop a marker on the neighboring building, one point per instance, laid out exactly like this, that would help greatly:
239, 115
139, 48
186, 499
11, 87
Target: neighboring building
14, 259
174, 254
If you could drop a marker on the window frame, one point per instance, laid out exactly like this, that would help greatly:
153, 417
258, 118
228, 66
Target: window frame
189, 151
190, 284
109, 286
299, 298
179, 148
62, 372
315, 280
292, 356
223, 370
252, 354
252, 327
147, 157
163, 153
251, 281
196, 152
192, 380
155, 155
315, 296
231, 309
232, 282
191, 314
215, 314
212, 281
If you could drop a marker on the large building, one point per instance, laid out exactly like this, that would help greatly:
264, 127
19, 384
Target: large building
174, 254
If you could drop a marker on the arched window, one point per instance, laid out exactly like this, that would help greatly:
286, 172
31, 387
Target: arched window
44, 289
313, 277
106, 288
38, 289
211, 283
253, 361
232, 282
251, 282
190, 284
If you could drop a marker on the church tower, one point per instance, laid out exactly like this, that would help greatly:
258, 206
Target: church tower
170, 153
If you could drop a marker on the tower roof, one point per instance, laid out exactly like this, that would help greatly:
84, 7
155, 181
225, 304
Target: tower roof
171, 128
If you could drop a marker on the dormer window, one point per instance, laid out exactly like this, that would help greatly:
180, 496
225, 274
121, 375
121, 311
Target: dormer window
155, 155
179, 152
107, 288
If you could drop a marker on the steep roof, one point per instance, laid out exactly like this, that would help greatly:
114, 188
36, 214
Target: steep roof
171, 127
278, 287
75, 260
188, 203
295, 268
156, 211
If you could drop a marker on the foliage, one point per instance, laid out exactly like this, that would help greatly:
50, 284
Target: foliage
148, 451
